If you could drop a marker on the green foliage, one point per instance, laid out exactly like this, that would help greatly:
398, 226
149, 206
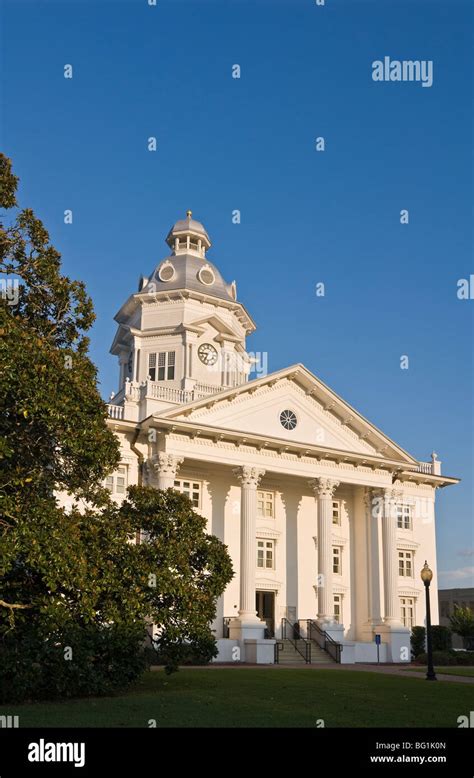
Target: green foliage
70, 662
441, 638
462, 621
182, 569
417, 641
441, 658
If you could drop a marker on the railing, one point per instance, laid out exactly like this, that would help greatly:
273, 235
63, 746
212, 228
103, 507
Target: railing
225, 625
276, 652
295, 630
132, 391
430, 468
167, 393
325, 641
115, 411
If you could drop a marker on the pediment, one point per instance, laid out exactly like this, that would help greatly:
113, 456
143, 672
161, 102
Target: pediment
214, 321
322, 418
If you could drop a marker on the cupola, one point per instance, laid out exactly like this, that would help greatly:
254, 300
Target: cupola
188, 236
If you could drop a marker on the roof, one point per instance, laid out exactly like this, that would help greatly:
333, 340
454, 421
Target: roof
187, 275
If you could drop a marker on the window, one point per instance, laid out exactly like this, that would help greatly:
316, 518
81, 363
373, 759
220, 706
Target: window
336, 512
405, 564
265, 554
166, 365
265, 505
336, 560
404, 517
117, 482
206, 275
338, 608
407, 611
288, 419
191, 489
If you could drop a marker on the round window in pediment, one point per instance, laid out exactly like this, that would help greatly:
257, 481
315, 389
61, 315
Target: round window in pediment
166, 272
288, 419
206, 275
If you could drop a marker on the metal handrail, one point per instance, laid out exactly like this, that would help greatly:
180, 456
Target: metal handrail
276, 650
325, 641
294, 641
225, 625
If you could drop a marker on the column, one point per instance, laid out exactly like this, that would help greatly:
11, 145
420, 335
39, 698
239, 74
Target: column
249, 478
324, 489
394, 634
372, 500
390, 556
166, 468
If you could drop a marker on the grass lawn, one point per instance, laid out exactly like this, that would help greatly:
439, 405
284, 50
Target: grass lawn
449, 670
262, 698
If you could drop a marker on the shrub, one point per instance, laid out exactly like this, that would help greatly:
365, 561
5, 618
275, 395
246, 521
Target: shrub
441, 658
442, 638
417, 641
73, 662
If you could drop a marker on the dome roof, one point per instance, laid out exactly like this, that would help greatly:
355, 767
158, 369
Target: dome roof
191, 272
188, 226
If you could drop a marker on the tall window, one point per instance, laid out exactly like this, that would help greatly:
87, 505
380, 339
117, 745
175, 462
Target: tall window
191, 489
117, 482
265, 505
405, 564
404, 517
161, 366
336, 560
336, 512
266, 554
407, 611
338, 608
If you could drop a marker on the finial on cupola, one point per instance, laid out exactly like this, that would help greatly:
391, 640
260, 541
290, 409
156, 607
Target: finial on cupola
189, 214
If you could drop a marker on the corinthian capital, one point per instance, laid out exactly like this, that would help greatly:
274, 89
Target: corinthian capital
249, 476
324, 487
167, 464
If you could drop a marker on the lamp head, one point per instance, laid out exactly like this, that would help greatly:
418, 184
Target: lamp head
426, 574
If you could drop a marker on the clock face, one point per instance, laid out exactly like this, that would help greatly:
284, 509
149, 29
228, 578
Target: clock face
207, 354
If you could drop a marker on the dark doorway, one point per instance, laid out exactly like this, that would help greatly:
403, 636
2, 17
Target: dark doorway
265, 607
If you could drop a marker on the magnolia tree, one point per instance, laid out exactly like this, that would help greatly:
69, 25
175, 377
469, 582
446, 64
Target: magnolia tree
75, 593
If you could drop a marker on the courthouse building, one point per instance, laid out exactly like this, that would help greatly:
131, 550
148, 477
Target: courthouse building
327, 520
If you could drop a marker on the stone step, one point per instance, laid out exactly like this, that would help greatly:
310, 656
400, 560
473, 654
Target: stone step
289, 655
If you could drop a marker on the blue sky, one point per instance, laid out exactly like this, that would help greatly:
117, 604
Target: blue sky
307, 216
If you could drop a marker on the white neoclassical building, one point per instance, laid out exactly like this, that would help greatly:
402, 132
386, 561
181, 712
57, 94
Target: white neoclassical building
328, 521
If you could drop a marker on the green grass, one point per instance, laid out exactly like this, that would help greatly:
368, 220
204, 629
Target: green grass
449, 670
262, 698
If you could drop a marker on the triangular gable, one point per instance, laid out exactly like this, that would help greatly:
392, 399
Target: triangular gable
216, 322
323, 418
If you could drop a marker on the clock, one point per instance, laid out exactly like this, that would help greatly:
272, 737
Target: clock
207, 354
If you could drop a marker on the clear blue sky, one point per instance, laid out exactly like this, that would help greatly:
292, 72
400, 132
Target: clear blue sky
248, 144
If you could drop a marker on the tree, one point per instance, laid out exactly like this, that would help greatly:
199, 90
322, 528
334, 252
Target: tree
462, 621
74, 596
182, 570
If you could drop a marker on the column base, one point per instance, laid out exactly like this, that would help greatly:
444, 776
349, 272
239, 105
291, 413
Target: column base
397, 638
368, 630
335, 631
247, 628
250, 634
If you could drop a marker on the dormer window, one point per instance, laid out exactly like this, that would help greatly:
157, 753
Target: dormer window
166, 272
206, 275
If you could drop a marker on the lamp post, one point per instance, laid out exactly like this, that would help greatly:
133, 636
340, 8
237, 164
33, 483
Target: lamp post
426, 576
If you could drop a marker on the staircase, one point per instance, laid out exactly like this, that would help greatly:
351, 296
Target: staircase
293, 652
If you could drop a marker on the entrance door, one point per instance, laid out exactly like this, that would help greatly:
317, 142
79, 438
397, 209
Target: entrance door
265, 607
